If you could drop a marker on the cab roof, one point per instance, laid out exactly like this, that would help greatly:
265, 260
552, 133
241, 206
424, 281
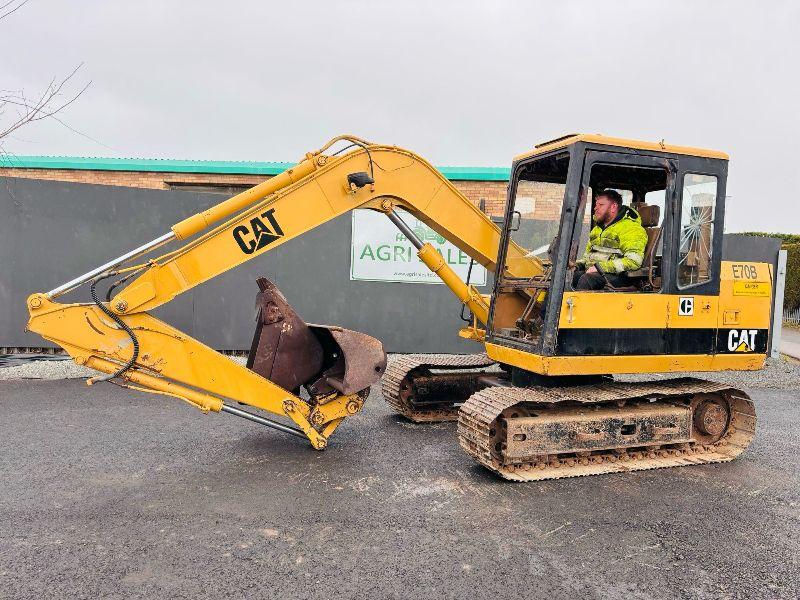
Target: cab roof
596, 138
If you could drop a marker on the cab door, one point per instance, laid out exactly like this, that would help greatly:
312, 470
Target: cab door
695, 257
632, 321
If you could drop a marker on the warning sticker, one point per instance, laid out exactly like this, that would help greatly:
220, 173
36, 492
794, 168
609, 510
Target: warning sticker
751, 288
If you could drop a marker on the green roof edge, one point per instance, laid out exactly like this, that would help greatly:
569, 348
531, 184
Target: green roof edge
228, 167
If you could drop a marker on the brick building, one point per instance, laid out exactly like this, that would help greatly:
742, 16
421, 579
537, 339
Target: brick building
538, 201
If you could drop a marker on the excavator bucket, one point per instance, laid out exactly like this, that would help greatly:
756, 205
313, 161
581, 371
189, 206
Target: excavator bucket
357, 360
325, 359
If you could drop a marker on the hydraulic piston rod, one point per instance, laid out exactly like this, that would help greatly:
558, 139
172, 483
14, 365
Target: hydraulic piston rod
200, 221
159, 241
434, 261
262, 421
405, 230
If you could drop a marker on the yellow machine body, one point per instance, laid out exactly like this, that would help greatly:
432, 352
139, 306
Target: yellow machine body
724, 325
741, 312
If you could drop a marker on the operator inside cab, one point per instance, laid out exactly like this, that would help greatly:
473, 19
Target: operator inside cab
616, 245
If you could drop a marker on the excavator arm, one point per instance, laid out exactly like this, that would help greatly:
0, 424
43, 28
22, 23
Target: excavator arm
121, 339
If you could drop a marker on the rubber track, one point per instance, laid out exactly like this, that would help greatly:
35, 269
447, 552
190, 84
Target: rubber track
399, 369
477, 415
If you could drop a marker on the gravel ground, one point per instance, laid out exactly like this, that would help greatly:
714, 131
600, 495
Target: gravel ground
779, 373
110, 493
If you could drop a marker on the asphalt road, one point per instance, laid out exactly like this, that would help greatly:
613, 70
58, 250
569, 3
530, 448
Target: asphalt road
110, 493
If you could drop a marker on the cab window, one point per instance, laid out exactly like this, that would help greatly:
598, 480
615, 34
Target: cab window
644, 190
538, 200
698, 201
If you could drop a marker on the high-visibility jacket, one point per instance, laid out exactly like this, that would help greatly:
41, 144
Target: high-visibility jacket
619, 246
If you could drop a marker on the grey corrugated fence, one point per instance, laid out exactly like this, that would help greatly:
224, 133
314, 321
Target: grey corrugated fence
51, 231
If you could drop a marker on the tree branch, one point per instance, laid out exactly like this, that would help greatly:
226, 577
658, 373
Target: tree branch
3, 15
48, 104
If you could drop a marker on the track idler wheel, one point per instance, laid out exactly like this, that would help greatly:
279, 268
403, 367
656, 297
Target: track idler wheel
711, 416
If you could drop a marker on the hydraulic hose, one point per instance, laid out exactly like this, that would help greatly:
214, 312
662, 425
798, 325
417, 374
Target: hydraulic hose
119, 282
122, 325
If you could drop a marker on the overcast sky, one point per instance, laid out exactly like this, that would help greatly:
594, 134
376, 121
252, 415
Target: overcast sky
461, 83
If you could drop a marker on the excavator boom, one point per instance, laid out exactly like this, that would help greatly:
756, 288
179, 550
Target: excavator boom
120, 337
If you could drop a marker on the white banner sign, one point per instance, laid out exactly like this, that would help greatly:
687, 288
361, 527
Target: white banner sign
379, 252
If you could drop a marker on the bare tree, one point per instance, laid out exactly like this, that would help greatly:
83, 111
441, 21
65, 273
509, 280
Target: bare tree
47, 105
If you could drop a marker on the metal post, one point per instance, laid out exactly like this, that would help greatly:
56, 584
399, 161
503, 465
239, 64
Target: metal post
160, 241
777, 312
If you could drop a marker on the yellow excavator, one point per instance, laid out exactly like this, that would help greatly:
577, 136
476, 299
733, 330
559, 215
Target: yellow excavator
541, 400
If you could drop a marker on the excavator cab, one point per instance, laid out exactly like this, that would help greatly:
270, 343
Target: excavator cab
672, 304
560, 412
